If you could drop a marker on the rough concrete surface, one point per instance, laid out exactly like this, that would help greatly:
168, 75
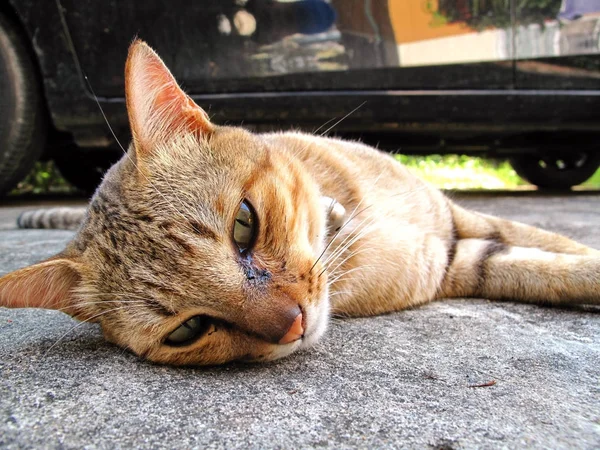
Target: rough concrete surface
404, 380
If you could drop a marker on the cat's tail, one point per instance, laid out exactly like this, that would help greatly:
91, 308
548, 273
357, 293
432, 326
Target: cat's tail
474, 225
52, 218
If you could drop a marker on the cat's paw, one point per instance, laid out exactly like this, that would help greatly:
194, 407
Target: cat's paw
335, 213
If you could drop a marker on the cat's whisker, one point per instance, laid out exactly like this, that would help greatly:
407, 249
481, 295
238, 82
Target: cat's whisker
345, 244
330, 261
114, 298
342, 276
325, 124
102, 112
336, 235
127, 299
346, 259
126, 153
83, 322
336, 275
350, 239
100, 294
102, 302
366, 221
354, 215
336, 293
343, 118
326, 131
303, 149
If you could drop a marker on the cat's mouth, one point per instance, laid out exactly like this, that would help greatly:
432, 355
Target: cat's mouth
303, 322
315, 318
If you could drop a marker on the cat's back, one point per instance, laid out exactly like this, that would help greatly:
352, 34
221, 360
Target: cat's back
351, 171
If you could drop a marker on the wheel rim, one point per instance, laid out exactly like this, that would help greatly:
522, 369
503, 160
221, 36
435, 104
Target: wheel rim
563, 163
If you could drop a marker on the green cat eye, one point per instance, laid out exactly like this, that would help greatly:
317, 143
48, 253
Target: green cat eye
244, 227
189, 331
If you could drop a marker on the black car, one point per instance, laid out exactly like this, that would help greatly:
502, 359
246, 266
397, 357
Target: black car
511, 79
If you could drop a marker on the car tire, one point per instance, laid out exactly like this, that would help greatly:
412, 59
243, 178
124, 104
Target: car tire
84, 168
23, 120
558, 171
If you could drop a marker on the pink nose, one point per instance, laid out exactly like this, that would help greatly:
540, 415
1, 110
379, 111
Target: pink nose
295, 332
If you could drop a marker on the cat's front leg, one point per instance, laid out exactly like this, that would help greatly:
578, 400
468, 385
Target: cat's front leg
335, 213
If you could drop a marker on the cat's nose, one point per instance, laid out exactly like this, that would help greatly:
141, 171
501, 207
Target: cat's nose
278, 321
295, 332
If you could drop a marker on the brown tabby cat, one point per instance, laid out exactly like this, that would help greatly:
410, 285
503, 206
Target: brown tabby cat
207, 244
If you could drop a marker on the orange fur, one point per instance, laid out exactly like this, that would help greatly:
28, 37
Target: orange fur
156, 247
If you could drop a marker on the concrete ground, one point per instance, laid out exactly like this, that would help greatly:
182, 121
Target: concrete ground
452, 374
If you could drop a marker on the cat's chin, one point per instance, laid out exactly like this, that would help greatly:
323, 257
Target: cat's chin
317, 321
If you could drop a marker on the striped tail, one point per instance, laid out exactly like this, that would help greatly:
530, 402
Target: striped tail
52, 218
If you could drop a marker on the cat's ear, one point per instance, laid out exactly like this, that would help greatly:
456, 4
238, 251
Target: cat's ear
156, 105
48, 284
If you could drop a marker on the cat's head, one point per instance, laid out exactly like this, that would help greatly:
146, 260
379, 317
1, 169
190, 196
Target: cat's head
201, 245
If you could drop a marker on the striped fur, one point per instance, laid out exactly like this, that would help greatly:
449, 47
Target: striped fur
340, 227
52, 218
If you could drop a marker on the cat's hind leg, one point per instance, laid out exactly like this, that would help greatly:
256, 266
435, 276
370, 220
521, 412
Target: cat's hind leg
473, 225
489, 269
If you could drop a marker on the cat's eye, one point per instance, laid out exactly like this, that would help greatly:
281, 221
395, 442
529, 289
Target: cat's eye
245, 226
189, 331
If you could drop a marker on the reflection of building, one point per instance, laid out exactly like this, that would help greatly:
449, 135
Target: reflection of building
387, 33
418, 20
425, 36
558, 39
379, 33
575, 9
581, 36
431, 32
367, 33
483, 14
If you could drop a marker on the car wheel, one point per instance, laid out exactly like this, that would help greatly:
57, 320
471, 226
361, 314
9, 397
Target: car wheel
557, 171
23, 118
85, 169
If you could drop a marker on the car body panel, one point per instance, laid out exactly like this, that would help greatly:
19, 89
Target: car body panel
398, 66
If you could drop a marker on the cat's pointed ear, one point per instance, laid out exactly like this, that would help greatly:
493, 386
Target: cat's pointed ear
156, 105
48, 284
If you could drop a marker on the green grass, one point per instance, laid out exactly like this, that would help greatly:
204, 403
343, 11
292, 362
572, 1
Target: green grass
594, 181
43, 179
465, 172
